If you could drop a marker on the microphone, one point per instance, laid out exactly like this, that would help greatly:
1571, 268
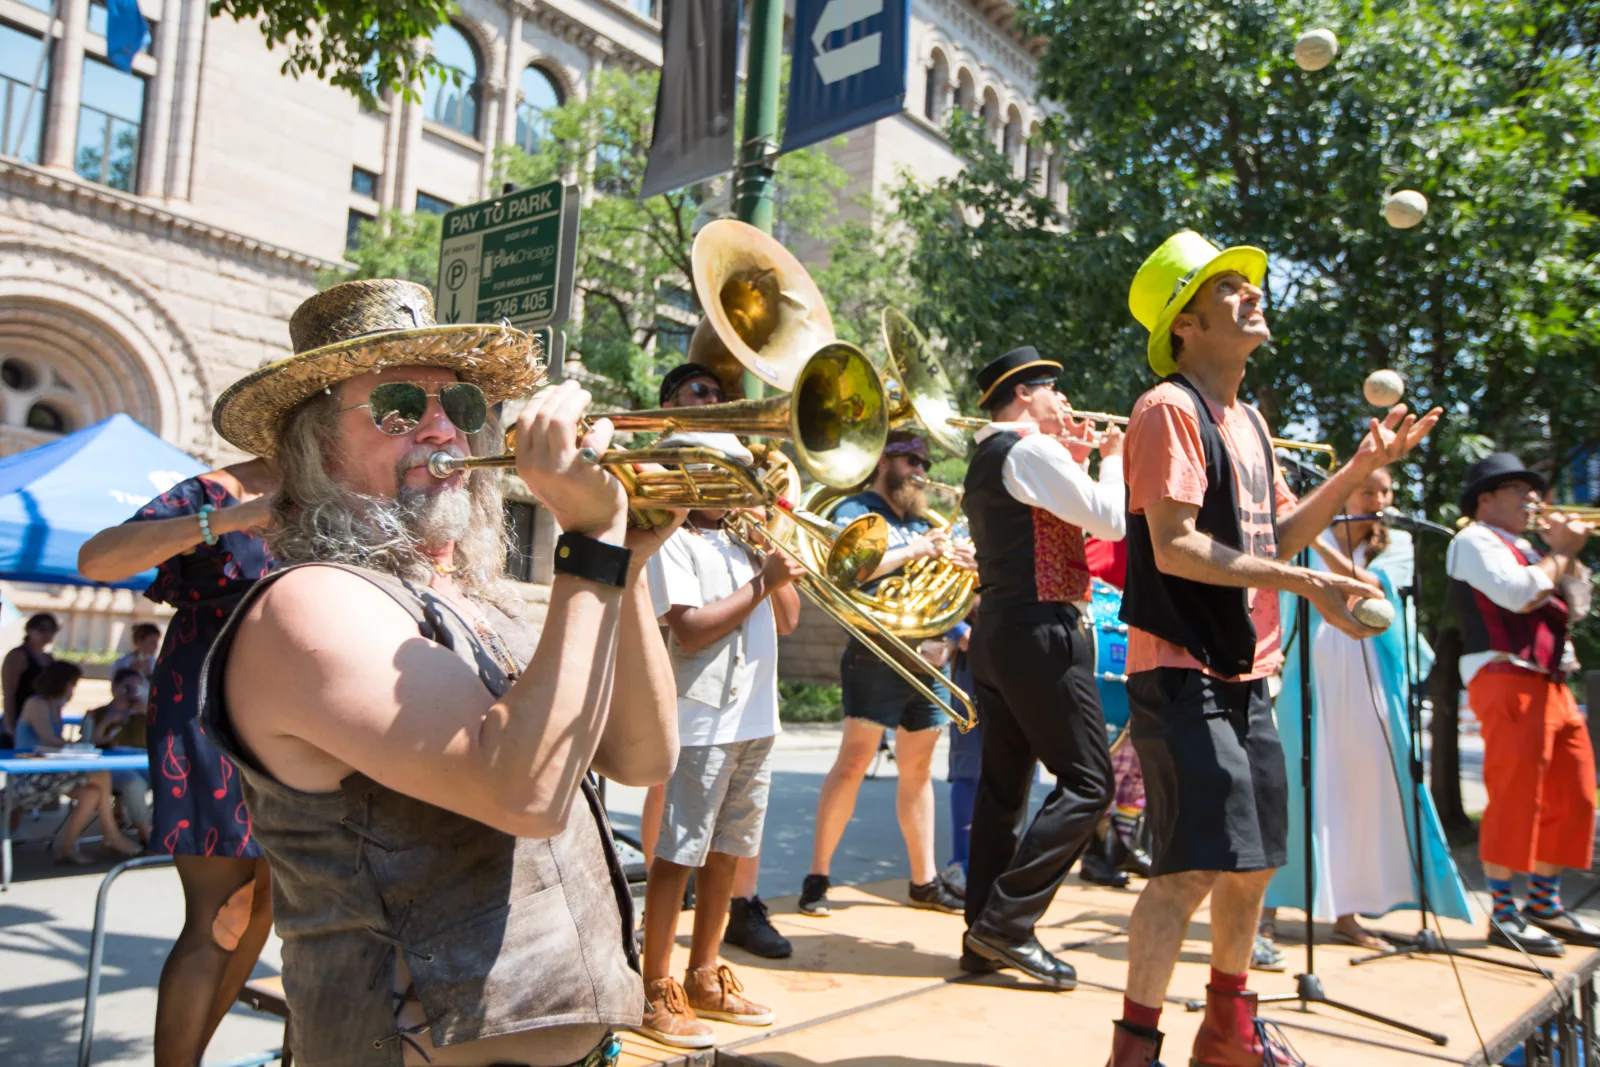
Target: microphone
1396, 517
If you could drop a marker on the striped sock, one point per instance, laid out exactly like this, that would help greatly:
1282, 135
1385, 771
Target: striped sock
1544, 894
1126, 820
1505, 906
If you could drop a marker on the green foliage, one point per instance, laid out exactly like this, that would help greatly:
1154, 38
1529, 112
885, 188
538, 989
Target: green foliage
397, 245
1190, 113
363, 46
809, 702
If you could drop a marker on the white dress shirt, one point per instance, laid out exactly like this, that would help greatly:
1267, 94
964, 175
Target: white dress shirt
1481, 555
1040, 472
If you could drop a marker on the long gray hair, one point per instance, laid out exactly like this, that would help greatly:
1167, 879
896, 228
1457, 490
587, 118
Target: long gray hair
315, 519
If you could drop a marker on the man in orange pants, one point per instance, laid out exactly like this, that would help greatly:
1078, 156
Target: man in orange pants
1515, 607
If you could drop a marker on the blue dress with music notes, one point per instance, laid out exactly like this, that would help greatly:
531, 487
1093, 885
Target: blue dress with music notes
199, 809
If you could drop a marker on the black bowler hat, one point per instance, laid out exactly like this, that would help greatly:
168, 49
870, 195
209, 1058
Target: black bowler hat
1492, 470
1006, 368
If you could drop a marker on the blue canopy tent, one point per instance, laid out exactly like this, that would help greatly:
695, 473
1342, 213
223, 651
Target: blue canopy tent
55, 497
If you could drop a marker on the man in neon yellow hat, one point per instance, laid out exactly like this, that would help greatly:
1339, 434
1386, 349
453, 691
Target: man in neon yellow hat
1210, 520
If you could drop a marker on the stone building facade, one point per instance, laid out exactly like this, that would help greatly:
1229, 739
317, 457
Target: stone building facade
158, 227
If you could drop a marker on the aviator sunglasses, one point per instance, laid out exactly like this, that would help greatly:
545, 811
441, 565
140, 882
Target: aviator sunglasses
397, 408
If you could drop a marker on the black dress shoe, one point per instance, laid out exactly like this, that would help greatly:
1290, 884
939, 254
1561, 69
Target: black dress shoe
1029, 957
1566, 926
973, 963
1097, 869
1514, 933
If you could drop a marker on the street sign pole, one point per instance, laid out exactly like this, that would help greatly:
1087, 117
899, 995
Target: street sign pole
755, 176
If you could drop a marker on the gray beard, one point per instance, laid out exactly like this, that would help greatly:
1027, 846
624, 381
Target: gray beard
437, 517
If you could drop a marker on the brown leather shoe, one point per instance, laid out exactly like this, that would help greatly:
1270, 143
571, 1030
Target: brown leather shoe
669, 1019
1133, 1046
714, 993
1228, 1036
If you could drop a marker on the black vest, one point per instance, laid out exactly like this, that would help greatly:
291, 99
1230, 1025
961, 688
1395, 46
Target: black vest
1212, 622
1025, 554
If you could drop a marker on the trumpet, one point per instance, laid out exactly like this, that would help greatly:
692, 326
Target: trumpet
1538, 514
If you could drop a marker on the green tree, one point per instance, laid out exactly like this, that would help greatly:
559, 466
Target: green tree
363, 46
396, 245
1192, 113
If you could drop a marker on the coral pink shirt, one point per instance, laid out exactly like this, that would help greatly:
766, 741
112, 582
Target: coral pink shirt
1164, 459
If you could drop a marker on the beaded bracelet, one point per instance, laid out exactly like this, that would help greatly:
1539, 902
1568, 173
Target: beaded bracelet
205, 524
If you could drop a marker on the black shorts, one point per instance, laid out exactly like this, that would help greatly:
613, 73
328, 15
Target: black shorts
875, 692
1216, 794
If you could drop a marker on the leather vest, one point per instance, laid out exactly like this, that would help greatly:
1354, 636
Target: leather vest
1025, 554
501, 934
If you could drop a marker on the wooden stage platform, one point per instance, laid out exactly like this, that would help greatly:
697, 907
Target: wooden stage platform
876, 985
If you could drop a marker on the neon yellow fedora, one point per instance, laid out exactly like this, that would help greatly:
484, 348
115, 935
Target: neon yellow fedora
1171, 275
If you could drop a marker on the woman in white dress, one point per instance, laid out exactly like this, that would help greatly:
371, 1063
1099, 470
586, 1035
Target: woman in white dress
1362, 835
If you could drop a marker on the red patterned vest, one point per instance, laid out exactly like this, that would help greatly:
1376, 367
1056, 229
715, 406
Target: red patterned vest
1025, 554
1538, 636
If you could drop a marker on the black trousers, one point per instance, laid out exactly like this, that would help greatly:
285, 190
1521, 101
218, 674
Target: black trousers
1034, 671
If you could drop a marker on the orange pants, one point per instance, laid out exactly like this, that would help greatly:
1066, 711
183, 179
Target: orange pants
1538, 767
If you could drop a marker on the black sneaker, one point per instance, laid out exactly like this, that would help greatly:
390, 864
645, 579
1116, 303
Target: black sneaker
935, 896
751, 930
814, 895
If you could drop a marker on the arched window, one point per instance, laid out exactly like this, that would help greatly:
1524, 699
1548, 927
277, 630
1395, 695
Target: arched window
35, 396
989, 115
537, 95
1011, 142
450, 97
938, 88
966, 91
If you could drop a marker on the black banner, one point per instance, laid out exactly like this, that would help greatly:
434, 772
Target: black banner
694, 106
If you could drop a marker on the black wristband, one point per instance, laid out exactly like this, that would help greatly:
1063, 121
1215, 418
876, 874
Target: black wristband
585, 557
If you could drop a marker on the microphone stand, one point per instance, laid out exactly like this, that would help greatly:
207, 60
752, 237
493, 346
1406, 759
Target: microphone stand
1308, 986
1424, 942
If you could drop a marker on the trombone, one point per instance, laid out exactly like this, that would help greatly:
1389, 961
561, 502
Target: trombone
835, 602
836, 418
967, 422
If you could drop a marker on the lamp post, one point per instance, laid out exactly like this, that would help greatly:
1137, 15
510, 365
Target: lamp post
754, 178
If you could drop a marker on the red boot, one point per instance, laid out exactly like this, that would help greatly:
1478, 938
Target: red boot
1133, 1046
1228, 1037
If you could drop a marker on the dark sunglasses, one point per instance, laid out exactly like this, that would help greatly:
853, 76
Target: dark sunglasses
919, 462
398, 407
701, 389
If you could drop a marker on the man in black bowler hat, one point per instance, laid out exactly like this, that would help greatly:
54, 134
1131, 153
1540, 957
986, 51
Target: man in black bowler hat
1030, 499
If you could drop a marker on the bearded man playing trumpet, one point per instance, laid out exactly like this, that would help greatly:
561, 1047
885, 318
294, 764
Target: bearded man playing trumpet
1211, 520
876, 698
414, 754
1030, 501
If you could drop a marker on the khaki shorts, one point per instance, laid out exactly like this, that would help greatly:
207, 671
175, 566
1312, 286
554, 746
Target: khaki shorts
716, 802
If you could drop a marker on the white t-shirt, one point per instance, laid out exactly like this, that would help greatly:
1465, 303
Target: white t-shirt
699, 567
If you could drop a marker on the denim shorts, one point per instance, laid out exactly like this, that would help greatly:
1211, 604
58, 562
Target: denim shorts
874, 692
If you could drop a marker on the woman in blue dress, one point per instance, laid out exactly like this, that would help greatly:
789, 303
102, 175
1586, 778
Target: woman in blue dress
201, 535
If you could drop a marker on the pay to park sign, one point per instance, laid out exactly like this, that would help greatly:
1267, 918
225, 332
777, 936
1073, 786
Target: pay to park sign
511, 258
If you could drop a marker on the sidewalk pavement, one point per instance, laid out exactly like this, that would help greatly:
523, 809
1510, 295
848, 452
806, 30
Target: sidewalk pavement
45, 919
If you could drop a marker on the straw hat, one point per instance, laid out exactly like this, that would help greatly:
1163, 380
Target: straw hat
1170, 277
363, 326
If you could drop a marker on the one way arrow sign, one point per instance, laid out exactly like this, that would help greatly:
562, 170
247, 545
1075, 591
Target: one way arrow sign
855, 72
836, 64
